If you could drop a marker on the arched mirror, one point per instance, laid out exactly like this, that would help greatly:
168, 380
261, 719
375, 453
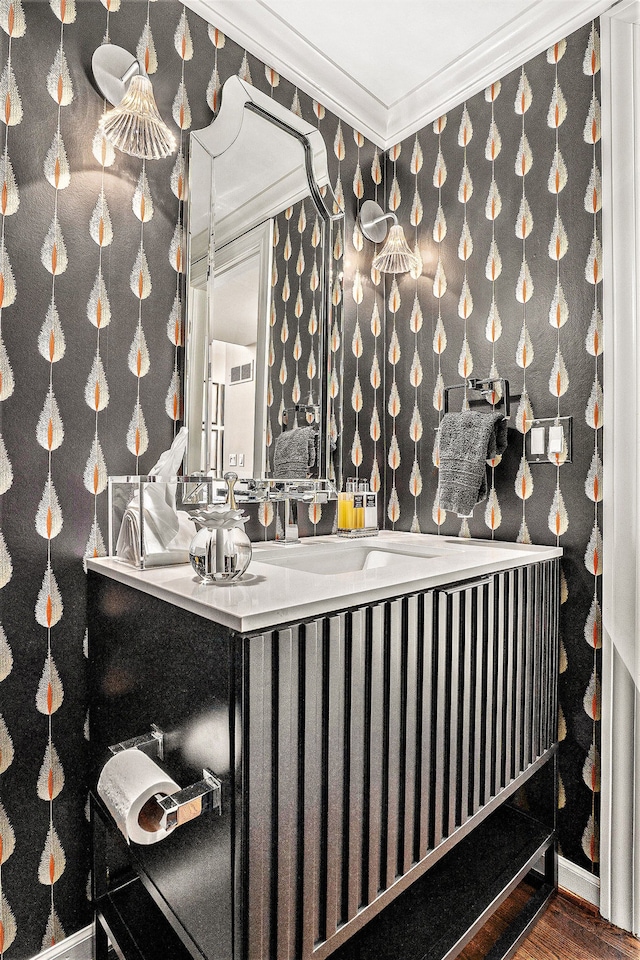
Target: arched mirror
260, 241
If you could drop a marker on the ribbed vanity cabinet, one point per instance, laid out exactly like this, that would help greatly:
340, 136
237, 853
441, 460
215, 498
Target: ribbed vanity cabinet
392, 763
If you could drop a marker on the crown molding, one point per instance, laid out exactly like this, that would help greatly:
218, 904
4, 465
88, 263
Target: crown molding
276, 44
256, 28
534, 31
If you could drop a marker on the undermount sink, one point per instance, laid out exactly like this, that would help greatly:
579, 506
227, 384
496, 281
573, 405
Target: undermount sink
466, 542
331, 559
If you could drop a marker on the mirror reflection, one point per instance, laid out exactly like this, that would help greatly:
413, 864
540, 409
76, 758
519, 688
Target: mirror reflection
260, 246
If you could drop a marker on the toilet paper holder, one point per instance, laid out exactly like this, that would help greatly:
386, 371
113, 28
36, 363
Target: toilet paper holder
205, 796
151, 743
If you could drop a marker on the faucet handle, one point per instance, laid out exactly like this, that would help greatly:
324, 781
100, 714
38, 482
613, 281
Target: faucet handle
231, 479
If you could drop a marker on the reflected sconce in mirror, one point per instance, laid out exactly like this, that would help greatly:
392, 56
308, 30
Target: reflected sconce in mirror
395, 256
135, 125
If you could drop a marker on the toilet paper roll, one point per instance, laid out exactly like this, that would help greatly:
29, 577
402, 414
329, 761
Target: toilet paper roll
127, 781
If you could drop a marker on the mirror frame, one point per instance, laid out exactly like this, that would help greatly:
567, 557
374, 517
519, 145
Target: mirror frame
219, 136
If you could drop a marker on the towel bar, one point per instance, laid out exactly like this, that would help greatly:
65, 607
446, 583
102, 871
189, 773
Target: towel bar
483, 386
301, 415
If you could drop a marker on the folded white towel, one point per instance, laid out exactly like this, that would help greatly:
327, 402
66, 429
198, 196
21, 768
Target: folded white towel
167, 532
156, 550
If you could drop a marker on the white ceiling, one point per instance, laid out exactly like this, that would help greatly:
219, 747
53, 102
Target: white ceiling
388, 67
392, 47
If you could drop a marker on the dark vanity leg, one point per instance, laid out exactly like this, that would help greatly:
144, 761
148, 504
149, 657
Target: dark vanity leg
551, 867
100, 941
98, 884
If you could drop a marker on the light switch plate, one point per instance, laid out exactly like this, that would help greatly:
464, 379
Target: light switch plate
233, 459
545, 438
537, 440
556, 437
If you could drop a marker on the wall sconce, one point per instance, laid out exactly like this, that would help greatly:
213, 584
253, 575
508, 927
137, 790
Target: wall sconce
396, 255
135, 125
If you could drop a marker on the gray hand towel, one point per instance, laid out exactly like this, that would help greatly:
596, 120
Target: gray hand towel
467, 441
294, 454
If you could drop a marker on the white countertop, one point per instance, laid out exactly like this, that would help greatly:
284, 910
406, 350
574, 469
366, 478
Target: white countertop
273, 594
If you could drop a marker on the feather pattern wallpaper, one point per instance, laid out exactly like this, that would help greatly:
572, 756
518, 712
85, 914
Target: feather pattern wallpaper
294, 360
502, 200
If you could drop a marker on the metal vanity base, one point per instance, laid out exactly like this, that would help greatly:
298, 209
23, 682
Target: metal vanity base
389, 776
433, 919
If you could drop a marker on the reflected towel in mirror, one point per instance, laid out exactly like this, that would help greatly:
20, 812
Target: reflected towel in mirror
295, 453
467, 440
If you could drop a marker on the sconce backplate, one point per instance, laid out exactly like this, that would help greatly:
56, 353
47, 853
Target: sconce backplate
110, 64
373, 221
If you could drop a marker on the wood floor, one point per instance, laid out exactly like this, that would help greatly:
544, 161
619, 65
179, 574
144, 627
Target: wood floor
567, 931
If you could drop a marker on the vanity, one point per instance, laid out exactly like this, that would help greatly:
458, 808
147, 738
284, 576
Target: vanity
381, 717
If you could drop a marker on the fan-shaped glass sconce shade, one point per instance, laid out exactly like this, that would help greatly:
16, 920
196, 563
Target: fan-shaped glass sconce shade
135, 126
396, 255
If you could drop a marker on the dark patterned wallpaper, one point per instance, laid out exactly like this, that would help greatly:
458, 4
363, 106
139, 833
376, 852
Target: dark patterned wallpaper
502, 198
295, 363
91, 262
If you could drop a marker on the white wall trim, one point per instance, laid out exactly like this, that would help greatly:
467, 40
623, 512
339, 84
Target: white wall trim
79, 946
578, 881
620, 726
260, 31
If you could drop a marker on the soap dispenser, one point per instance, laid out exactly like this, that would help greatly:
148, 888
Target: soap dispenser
345, 508
221, 550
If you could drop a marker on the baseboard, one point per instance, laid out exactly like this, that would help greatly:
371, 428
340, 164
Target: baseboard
578, 881
79, 946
